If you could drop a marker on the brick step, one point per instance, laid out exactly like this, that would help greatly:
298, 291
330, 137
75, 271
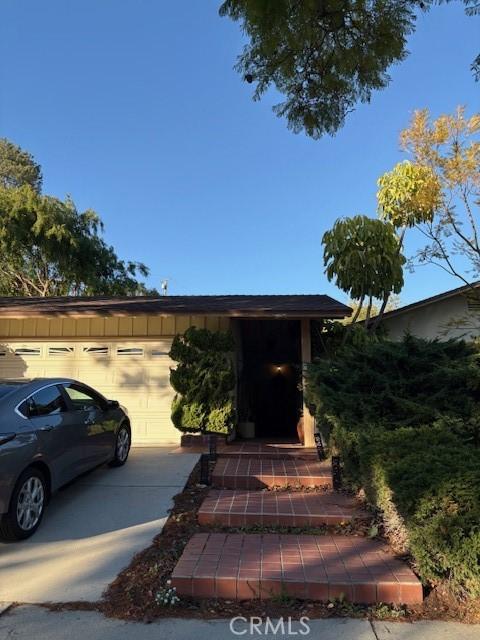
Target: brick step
265, 451
241, 508
249, 473
248, 566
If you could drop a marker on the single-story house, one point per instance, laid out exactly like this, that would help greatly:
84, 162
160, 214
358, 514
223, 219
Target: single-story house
120, 346
452, 314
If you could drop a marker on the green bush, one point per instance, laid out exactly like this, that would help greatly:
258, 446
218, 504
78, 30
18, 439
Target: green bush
426, 482
404, 418
204, 380
399, 384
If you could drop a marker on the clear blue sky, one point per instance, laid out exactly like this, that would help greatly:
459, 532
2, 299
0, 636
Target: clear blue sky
132, 108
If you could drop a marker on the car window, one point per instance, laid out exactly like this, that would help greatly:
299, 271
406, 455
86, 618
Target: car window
46, 402
83, 398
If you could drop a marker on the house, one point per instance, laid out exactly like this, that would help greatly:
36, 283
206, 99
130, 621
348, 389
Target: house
120, 346
452, 314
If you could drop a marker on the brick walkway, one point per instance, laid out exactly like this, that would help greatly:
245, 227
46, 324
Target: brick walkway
320, 567
265, 450
239, 508
252, 473
238, 566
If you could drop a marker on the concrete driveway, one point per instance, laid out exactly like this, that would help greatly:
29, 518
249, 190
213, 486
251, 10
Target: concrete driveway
93, 527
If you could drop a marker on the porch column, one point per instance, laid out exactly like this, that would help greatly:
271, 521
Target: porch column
308, 421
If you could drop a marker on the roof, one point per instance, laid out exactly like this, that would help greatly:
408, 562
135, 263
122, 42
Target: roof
230, 305
426, 301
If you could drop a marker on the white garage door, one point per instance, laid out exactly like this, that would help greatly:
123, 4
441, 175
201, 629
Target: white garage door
134, 373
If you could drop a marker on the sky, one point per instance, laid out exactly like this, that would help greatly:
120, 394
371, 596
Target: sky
132, 107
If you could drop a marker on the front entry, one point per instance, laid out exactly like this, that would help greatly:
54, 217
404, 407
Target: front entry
270, 376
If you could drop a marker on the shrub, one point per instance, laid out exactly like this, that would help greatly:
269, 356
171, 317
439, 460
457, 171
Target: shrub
204, 380
404, 418
395, 384
426, 482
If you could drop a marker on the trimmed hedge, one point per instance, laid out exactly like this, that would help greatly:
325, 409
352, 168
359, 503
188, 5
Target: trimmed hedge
204, 380
407, 434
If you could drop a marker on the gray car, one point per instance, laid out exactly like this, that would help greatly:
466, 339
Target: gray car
52, 430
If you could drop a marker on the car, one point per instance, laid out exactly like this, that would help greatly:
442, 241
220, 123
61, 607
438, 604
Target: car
51, 431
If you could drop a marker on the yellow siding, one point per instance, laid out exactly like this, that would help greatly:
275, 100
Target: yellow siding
154, 326
114, 327
82, 327
97, 327
4, 328
168, 326
56, 327
42, 328
111, 327
68, 327
125, 326
140, 326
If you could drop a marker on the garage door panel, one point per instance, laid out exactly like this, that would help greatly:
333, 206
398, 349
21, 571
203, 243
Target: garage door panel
135, 373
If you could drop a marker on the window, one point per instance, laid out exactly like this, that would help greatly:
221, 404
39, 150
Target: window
46, 402
83, 398
129, 351
156, 353
60, 351
96, 351
26, 351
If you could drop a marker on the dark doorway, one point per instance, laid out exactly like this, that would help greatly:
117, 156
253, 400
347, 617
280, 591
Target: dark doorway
270, 374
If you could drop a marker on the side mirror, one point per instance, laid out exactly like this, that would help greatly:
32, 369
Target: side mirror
113, 404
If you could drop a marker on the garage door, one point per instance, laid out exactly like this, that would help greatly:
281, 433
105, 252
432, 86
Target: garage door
134, 373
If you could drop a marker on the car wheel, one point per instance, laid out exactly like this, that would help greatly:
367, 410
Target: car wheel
122, 446
26, 506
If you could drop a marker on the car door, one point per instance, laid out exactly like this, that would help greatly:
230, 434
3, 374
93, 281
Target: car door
60, 438
91, 412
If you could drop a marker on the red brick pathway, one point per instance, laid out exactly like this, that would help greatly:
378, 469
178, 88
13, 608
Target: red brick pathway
239, 508
238, 566
250, 473
261, 450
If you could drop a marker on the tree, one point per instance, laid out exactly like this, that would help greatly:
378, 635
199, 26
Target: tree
361, 314
362, 256
438, 192
324, 56
204, 380
48, 248
18, 168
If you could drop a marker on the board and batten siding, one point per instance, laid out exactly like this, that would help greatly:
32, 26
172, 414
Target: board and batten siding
114, 326
125, 358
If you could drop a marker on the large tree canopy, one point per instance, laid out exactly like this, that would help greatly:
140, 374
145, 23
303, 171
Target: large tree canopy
47, 247
324, 56
17, 167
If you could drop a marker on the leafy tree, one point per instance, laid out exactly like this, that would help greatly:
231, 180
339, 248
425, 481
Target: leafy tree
48, 248
438, 192
204, 380
324, 56
393, 303
362, 256
17, 167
